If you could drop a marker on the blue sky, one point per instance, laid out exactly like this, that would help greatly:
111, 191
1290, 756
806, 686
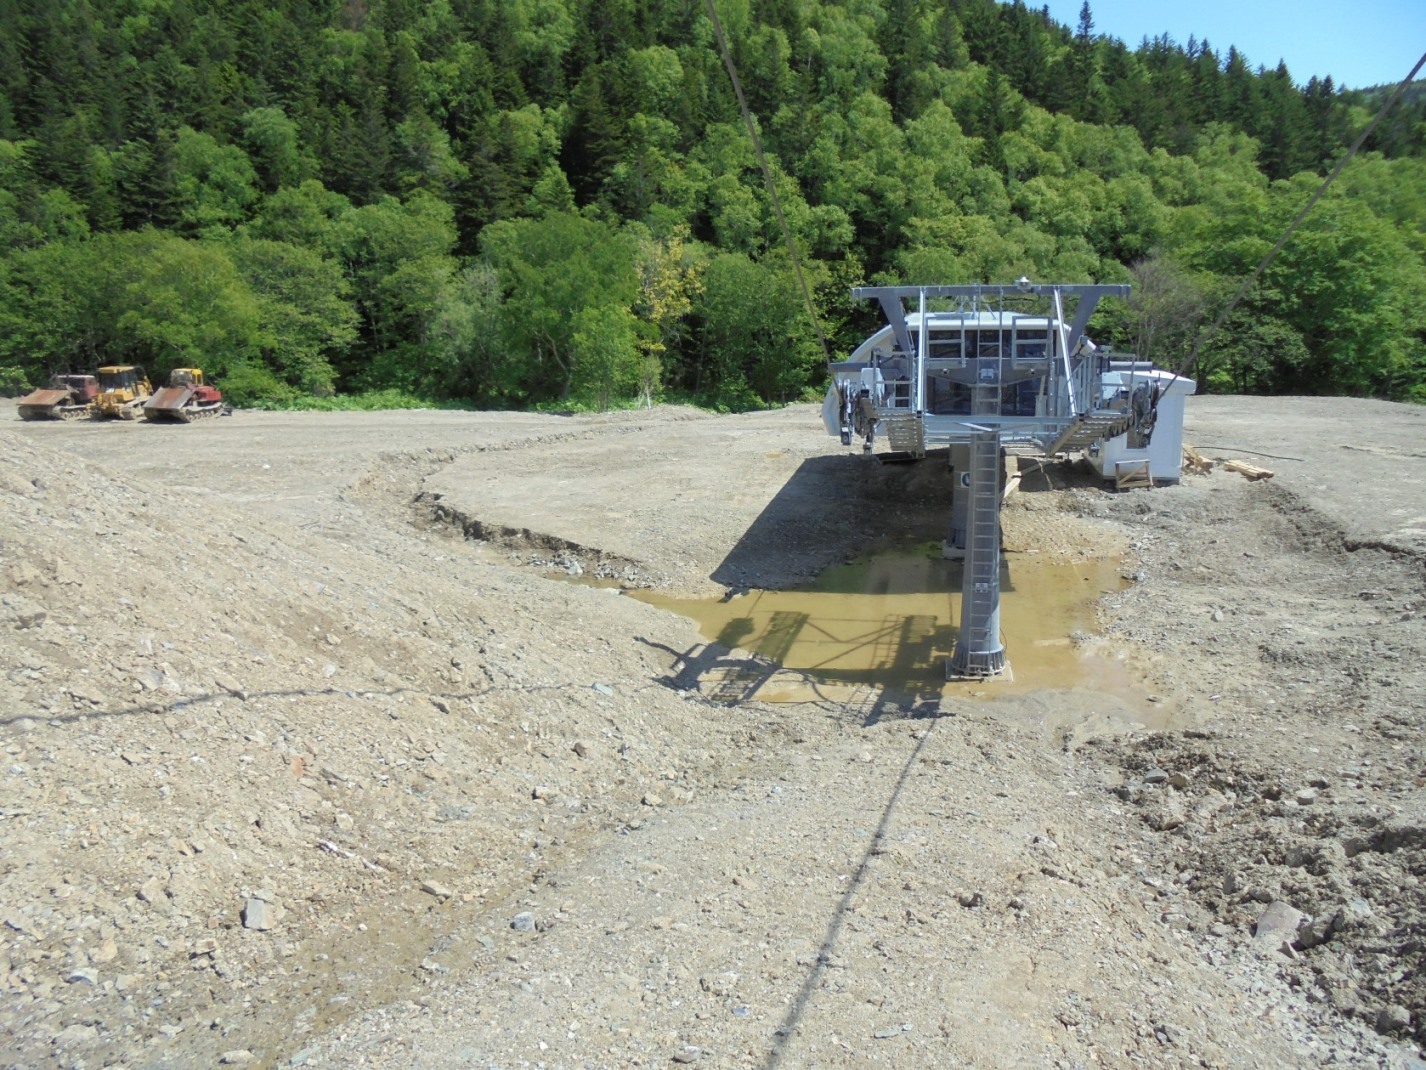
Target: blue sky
1358, 42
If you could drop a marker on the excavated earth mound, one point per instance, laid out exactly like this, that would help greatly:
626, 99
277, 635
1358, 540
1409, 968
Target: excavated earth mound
330, 741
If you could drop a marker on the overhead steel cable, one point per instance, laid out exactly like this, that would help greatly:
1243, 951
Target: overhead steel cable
767, 175
1207, 336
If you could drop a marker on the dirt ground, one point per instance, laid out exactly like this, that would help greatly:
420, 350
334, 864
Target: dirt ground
330, 741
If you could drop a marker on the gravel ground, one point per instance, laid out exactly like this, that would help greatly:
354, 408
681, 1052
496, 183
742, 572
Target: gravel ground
315, 756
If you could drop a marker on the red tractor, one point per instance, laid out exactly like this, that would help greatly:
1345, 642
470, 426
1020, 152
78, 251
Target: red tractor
186, 398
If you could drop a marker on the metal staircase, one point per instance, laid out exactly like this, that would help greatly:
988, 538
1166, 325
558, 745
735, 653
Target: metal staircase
1089, 429
906, 433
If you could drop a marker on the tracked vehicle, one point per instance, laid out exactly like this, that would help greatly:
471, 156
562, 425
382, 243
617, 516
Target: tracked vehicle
66, 397
186, 398
123, 389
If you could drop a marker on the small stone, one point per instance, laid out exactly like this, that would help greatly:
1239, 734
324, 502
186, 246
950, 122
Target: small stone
437, 889
107, 951
1180, 780
1277, 927
887, 1034
236, 1057
581, 748
1316, 932
1155, 776
1344, 999
1393, 1018
1305, 797
604, 689
1218, 616
687, 1054
650, 799
260, 915
75, 1036
970, 899
230, 685
524, 922
1352, 915
151, 891
86, 975
441, 704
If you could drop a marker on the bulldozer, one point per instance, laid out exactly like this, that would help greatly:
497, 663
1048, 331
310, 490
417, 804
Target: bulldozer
66, 397
186, 398
123, 389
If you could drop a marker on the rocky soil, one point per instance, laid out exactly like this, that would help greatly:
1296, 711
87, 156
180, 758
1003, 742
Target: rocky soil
329, 740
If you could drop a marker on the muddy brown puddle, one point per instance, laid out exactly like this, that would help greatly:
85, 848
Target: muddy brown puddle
882, 628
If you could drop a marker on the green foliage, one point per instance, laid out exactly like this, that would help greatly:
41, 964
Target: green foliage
568, 285
251, 385
757, 342
13, 381
1165, 311
551, 202
182, 304
1253, 355
30, 214
303, 309
370, 401
275, 148
398, 257
214, 184
469, 359
57, 308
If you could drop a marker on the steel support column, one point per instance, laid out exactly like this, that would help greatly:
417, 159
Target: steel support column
953, 548
979, 651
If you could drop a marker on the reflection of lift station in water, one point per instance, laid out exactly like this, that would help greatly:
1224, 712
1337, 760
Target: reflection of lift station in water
994, 366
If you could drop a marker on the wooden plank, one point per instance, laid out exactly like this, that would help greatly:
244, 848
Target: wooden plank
1249, 471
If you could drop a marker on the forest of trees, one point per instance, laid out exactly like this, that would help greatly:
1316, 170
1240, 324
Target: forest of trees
556, 202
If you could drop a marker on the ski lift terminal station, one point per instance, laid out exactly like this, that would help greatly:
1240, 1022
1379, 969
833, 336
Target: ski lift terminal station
978, 369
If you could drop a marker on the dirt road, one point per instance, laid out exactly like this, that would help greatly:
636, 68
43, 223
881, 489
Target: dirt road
331, 741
